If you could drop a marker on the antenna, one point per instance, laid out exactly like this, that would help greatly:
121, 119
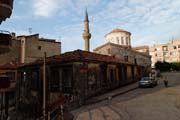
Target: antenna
30, 31
172, 38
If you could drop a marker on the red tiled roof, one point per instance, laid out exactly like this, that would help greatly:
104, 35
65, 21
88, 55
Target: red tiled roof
79, 55
10, 65
140, 47
118, 30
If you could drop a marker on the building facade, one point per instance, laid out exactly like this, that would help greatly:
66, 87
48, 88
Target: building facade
25, 49
142, 49
8, 75
77, 75
169, 52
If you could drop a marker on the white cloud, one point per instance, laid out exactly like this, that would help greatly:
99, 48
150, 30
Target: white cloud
48, 8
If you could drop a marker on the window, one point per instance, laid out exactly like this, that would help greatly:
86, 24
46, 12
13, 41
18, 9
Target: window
172, 53
34, 79
174, 47
39, 47
122, 40
112, 75
55, 79
67, 77
127, 40
109, 51
135, 61
165, 53
126, 58
178, 46
165, 48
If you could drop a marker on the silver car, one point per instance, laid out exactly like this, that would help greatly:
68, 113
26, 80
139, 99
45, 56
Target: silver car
147, 82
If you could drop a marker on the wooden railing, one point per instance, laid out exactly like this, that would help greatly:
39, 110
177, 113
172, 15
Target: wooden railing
5, 39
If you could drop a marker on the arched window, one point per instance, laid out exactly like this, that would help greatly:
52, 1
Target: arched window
117, 40
122, 40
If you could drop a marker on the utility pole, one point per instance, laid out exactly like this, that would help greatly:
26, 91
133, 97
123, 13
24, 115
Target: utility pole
44, 87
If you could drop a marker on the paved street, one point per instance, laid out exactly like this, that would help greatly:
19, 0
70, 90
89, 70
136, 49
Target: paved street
158, 103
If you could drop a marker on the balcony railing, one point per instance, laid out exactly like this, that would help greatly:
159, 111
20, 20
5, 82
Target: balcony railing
6, 7
7, 2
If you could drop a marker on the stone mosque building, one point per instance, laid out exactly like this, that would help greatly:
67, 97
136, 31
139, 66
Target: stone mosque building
118, 44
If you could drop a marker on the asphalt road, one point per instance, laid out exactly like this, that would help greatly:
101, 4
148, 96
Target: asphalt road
158, 103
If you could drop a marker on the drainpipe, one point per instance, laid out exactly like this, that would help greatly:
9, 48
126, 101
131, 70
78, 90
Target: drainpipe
44, 87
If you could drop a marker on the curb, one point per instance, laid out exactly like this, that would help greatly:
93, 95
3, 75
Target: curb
110, 97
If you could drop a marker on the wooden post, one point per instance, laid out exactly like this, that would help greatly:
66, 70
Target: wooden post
44, 87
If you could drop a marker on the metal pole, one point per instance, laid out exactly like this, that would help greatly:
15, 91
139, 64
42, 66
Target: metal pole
1, 105
44, 87
62, 114
49, 118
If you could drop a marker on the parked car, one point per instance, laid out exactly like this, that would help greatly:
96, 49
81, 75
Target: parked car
147, 82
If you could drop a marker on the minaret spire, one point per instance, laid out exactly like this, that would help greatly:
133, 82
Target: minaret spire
86, 33
86, 19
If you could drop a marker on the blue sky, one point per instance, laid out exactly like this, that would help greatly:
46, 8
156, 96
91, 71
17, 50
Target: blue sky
149, 21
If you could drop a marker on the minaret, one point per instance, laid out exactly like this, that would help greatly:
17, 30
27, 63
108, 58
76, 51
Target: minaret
86, 33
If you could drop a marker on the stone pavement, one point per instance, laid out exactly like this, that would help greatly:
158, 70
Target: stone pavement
113, 93
158, 103
107, 97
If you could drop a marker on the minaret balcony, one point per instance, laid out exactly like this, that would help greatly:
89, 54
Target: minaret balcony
6, 7
5, 41
86, 36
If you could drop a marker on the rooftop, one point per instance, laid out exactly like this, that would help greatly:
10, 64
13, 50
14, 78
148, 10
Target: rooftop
117, 30
140, 47
126, 47
40, 39
80, 56
10, 65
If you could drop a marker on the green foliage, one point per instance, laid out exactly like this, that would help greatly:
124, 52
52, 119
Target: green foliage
165, 66
175, 66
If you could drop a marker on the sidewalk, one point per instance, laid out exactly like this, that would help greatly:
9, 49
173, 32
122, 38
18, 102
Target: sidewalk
113, 93
103, 97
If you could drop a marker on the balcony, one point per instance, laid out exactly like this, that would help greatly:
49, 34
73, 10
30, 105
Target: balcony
6, 7
5, 41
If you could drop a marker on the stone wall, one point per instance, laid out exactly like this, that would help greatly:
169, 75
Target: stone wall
27, 49
35, 48
13, 54
121, 51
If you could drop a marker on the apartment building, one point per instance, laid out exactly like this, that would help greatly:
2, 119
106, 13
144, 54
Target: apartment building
169, 52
